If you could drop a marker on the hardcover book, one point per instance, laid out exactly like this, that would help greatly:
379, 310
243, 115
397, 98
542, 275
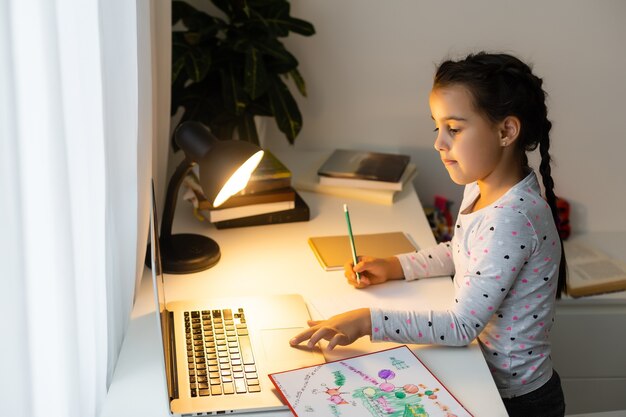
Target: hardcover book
408, 174
299, 213
373, 166
309, 182
238, 200
221, 214
392, 382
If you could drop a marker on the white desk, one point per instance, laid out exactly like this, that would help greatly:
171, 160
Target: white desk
276, 259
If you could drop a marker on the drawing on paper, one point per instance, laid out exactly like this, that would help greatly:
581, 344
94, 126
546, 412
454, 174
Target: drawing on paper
390, 383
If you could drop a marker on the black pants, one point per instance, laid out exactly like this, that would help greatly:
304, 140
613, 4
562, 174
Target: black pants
545, 401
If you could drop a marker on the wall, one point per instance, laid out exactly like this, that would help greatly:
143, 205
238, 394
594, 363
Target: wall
369, 70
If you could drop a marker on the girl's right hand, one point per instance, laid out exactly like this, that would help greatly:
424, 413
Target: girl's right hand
373, 271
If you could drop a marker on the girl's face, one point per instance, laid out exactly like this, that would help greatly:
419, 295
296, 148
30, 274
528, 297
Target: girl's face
468, 143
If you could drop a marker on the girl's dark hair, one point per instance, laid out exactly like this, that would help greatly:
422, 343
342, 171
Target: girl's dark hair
501, 86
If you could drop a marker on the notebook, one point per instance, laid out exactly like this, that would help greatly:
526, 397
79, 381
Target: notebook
333, 252
217, 353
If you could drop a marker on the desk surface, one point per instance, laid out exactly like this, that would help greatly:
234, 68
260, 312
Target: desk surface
276, 259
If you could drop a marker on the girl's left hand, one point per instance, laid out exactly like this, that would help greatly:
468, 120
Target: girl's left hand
341, 329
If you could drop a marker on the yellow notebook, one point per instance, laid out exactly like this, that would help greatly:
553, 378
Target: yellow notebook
333, 252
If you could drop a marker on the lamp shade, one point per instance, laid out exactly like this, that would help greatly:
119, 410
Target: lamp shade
225, 165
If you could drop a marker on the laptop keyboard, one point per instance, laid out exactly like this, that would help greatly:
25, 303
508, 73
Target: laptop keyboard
219, 354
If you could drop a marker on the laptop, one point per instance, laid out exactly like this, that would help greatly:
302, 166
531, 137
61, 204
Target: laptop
217, 352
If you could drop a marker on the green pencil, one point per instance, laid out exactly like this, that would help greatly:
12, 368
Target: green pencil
351, 238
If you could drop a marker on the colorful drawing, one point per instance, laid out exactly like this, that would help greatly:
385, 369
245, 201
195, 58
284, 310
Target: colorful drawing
367, 386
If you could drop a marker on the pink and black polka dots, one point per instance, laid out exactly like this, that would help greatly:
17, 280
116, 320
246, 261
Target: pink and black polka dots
505, 261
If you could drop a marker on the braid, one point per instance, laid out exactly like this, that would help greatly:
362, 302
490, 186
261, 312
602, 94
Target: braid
548, 185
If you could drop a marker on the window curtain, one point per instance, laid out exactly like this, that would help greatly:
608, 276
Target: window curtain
77, 133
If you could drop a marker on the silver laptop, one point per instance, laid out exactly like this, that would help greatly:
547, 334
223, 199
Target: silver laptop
218, 352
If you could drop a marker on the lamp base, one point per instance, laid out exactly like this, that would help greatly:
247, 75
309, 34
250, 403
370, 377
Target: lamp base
187, 253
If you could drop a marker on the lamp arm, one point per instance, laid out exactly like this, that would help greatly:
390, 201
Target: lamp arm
172, 196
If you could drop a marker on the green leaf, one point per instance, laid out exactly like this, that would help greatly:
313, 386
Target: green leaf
283, 25
285, 109
177, 68
274, 16
178, 58
261, 106
233, 94
275, 49
197, 63
298, 80
247, 128
196, 60
255, 75
300, 26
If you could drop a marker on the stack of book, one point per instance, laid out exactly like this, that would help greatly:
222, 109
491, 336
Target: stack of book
267, 199
373, 176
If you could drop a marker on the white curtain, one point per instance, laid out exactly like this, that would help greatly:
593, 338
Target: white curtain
76, 135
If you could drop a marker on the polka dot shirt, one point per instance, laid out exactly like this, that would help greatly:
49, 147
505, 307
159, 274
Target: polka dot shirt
505, 262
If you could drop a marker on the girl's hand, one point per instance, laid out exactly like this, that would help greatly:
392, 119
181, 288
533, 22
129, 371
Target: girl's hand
341, 329
373, 271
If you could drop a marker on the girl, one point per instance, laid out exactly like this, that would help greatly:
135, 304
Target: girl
506, 254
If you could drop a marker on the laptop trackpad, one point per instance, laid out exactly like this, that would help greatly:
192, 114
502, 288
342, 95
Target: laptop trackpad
282, 356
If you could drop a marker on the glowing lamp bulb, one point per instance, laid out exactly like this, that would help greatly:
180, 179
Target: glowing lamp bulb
238, 180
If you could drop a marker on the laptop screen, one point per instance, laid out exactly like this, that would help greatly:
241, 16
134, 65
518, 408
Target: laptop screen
163, 316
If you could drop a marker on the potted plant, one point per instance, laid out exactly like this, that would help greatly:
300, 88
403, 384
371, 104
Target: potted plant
229, 67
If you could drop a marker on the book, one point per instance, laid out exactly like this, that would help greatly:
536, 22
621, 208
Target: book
591, 272
221, 214
372, 166
391, 382
238, 200
384, 197
270, 174
408, 174
299, 213
333, 252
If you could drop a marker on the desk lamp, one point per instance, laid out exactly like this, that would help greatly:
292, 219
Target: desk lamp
225, 167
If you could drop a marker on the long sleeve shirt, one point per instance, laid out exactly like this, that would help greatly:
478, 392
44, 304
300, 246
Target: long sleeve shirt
505, 262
